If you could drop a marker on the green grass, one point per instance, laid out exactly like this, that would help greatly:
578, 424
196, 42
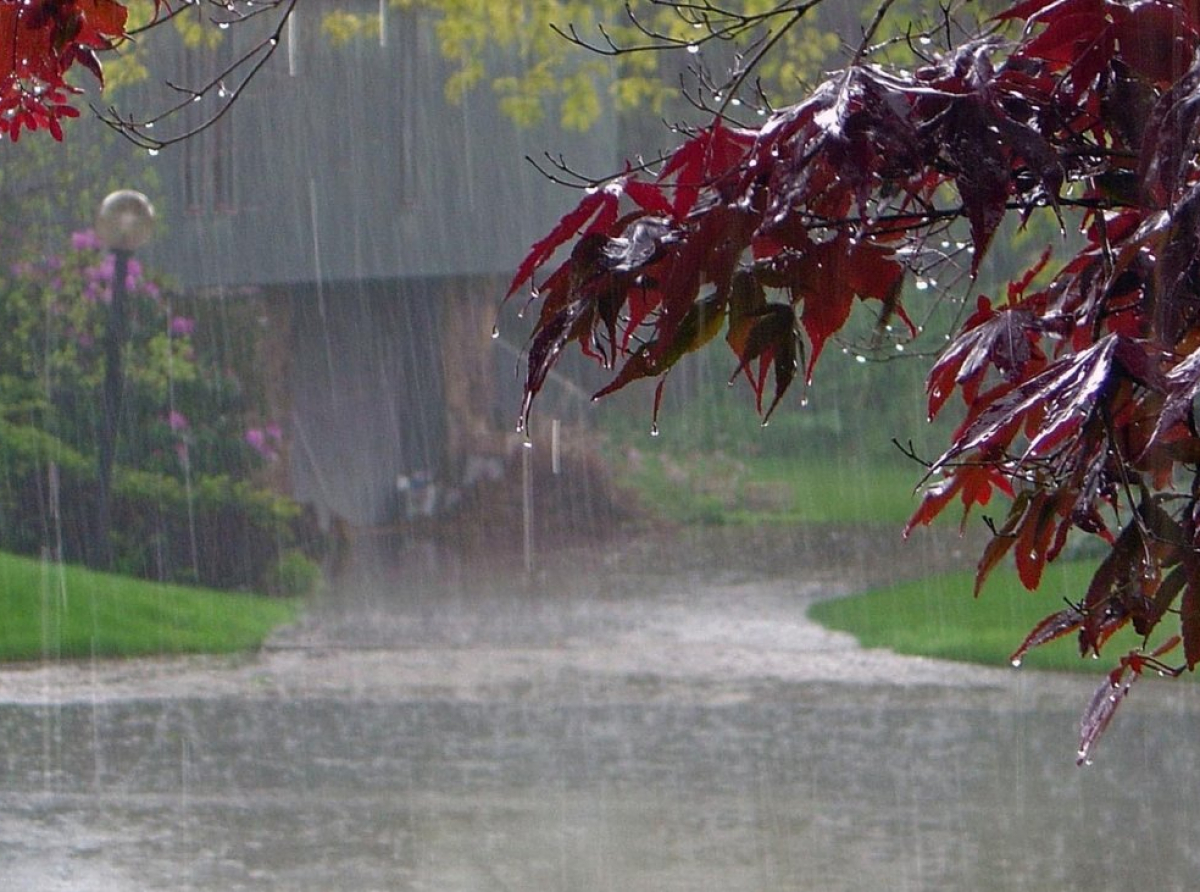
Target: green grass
938, 617
748, 489
53, 611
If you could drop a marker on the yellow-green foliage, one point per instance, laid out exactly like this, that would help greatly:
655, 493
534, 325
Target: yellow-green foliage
342, 27
555, 77
197, 31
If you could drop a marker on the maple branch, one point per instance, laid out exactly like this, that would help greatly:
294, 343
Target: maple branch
869, 32
136, 129
583, 181
738, 24
739, 79
235, 10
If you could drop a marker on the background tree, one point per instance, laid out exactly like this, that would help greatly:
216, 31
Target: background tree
1077, 381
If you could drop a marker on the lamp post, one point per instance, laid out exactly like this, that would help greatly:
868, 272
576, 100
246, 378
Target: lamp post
124, 222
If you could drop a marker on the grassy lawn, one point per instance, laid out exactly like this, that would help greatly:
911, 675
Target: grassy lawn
50, 611
721, 489
937, 617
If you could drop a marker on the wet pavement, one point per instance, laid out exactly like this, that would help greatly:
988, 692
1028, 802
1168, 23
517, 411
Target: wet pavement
653, 716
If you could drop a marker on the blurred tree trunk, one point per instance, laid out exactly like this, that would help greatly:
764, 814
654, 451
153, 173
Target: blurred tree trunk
468, 371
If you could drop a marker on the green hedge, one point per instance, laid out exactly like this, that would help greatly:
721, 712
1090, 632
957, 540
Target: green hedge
217, 531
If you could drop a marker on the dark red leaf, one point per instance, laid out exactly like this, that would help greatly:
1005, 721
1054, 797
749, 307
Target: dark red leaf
1056, 403
1055, 626
1100, 711
651, 197
768, 335
1034, 536
1003, 339
596, 207
972, 482
713, 153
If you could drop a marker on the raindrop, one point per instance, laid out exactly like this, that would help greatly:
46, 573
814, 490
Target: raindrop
899, 348
860, 358
693, 48
1016, 662
224, 26
495, 332
922, 284
654, 429
153, 153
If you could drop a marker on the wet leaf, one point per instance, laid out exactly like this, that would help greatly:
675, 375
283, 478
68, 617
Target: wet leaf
1100, 711
1005, 340
599, 208
1053, 627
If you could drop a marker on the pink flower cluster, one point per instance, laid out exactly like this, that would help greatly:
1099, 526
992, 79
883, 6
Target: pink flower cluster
265, 440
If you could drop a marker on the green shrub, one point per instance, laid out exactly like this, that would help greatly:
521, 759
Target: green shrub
294, 574
183, 505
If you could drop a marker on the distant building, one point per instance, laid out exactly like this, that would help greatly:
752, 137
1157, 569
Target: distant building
378, 223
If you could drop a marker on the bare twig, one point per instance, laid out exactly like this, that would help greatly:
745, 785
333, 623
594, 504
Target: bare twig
240, 72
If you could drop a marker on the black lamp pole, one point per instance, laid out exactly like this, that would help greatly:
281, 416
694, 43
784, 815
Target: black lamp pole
116, 333
124, 223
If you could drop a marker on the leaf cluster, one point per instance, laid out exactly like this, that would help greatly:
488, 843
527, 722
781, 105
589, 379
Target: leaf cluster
1079, 384
40, 42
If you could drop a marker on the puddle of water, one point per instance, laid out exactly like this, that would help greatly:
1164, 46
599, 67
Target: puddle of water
822, 788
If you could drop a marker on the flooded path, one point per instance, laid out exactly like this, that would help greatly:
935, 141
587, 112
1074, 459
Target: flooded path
657, 720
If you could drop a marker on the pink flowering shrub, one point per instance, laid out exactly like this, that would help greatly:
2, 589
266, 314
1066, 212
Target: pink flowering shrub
186, 456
